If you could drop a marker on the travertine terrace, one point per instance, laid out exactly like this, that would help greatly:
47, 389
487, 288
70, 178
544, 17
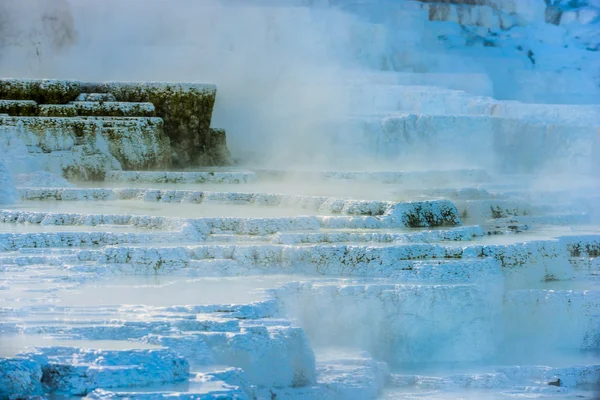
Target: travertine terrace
139, 261
83, 129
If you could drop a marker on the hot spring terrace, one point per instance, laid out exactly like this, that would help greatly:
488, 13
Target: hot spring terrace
139, 261
247, 284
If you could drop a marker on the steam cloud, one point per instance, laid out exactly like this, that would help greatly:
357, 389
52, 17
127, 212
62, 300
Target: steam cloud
277, 69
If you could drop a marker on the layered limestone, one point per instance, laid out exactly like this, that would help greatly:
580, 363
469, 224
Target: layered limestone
186, 110
383, 214
85, 148
389, 292
496, 143
144, 125
76, 372
375, 97
97, 109
181, 177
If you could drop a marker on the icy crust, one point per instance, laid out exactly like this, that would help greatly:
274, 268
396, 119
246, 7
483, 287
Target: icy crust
196, 228
423, 264
180, 177
439, 39
185, 232
44, 218
8, 193
393, 214
225, 394
343, 374
522, 263
351, 376
272, 353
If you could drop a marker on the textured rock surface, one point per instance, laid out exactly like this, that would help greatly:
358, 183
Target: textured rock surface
186, 110
87, 147
138, 141
8, 193
408, 296
463, 263
19, 378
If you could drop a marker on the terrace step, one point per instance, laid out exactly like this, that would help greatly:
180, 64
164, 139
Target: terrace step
96, 97
72, 371
69, 146
20, 108
97, 109
492, 141
181, 177
505, 377
433, 100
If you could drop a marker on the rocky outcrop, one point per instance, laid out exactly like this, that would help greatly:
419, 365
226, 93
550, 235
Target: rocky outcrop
86, 147
83, 129
186, 110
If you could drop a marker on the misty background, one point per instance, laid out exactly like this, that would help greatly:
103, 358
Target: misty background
277, 76
288, 73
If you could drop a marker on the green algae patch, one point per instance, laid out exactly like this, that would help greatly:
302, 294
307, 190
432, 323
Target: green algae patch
186, 110
84, 148
219, 154
42, 91
138, 143
168, 125
57, 110
21, 108
97, 109
422, 214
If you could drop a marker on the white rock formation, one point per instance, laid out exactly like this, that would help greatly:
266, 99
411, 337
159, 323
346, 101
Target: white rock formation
8, 193
457, 255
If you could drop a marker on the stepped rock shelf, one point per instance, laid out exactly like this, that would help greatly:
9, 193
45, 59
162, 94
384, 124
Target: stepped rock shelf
178, 292
129, 271
82, 129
